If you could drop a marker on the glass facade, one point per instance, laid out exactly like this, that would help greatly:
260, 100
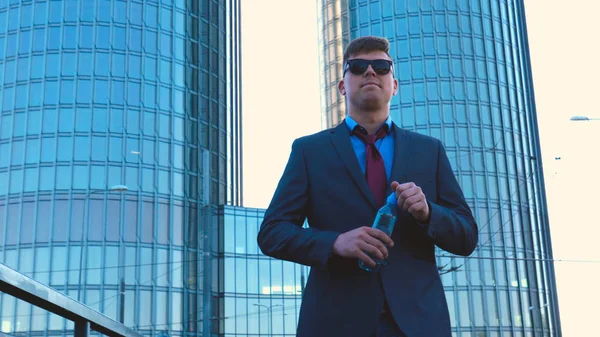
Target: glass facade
260, 295
464, 77
332, 20
98, 93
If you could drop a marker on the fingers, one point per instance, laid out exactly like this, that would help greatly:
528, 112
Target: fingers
375, 247
379, 235
418, 207
414, 202
364, 243
407, 190
373, 251
400, 188
366, 259
408, 194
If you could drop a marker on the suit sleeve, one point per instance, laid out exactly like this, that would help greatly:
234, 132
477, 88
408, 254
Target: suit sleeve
451, 224
281, 234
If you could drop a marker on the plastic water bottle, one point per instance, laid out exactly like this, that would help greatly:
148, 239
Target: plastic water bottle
384, 221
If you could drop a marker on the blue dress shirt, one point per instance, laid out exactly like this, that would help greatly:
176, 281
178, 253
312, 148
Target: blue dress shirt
385, 146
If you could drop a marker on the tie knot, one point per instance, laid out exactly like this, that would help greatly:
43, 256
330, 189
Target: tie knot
368, 139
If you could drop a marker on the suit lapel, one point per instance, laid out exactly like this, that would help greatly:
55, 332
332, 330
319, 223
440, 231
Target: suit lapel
341, 141
401, 156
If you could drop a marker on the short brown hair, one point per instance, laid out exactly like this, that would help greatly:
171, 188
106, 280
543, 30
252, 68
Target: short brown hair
367, 44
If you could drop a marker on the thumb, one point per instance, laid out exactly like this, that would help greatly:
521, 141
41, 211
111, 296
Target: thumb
395, 185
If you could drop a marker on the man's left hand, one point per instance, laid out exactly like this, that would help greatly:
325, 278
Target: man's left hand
411, 198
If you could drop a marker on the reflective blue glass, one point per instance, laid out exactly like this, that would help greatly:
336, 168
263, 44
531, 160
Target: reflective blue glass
78, 113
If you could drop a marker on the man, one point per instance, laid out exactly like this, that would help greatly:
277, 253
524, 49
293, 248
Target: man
338, 179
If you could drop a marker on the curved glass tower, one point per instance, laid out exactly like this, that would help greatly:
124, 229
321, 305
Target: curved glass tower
98, 94
464, 77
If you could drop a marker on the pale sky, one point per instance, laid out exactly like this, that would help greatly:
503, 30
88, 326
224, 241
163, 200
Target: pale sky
281, 102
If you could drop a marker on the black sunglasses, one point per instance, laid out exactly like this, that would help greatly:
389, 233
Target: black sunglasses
359, 66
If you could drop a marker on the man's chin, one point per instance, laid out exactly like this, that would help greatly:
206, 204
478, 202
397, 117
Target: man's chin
370, 104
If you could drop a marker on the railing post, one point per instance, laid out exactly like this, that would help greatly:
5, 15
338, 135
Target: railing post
82, 329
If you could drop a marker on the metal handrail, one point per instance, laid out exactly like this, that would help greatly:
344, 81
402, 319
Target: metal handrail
85, 318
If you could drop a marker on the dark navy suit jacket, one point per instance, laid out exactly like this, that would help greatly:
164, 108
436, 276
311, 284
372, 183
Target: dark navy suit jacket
323, 183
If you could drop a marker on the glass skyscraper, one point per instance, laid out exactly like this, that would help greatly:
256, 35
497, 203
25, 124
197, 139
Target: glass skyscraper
465, 78
120, 133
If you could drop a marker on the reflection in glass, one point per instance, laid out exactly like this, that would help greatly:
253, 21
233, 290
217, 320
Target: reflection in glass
69, 103
131, 220
129, 268
41, 264
145, 310
145, 268
111, 265
147, 222
22, 316
59, 266
162, 268
94, 265
176, 269
75, 257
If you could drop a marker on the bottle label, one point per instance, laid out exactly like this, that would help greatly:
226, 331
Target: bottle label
385, 222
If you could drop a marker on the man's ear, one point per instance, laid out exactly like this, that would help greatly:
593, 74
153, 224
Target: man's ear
395, 86
342, 88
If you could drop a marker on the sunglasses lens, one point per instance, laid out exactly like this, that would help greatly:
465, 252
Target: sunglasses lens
381, 67
358, 67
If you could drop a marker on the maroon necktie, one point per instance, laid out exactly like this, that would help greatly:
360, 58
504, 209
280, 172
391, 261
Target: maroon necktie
375, 169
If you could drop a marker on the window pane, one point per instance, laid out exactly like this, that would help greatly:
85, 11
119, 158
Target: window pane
178, 219
147, 222
95, 220
130, 265
99, 148
115, 149
163, 223
111, 263
162, 309
59, 266
240, 275
230, 276
86, 34
113, 215
94, 265
176, 269
463, 305
22, 316
27, 221
131, 220
146, 260
492, 310
162, 268
176, 312
42, 261
75, 264
145, 309
61, 218
478, 308
110, 304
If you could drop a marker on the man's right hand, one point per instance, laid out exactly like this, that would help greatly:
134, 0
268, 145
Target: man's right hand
357, 242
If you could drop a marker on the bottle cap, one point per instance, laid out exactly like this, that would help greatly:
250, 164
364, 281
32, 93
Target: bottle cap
391, 199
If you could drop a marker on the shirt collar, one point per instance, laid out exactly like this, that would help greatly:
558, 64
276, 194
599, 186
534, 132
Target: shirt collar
351, 123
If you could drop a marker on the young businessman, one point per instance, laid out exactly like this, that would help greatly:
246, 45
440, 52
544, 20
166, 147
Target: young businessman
338, 179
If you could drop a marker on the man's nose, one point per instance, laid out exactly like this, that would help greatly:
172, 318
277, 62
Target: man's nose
370, 71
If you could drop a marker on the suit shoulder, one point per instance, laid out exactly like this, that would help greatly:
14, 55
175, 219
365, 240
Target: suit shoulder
419, 137
315, 138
